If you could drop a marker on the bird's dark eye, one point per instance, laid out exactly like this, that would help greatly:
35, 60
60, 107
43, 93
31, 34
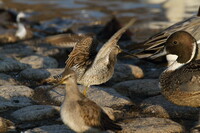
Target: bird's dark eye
175, 42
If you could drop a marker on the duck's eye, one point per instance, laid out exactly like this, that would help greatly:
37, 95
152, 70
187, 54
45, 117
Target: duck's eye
175, 42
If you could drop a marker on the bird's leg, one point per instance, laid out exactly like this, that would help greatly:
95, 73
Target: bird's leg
85, 91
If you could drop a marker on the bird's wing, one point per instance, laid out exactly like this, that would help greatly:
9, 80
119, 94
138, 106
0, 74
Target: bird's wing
95, 117
112, 41
64, 40
80, 53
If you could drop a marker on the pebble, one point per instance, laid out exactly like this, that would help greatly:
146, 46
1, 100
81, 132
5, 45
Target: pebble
6, 79
125, 72
50, 129
36, 112
34, 74
9, 65
145, 87
173, 110
109, 95
38, 61
10, 91
151, 125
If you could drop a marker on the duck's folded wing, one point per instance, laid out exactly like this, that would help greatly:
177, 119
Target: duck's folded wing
112, 41
191, 25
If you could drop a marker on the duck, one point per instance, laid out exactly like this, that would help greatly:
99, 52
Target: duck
93, 69
80, 113
180, 82
157, 41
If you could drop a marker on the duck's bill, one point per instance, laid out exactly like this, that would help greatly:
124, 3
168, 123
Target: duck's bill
162, 52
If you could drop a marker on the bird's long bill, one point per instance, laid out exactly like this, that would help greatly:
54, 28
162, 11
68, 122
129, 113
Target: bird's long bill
162, 52
127, 53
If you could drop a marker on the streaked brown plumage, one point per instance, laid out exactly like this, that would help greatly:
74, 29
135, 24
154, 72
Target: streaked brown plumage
90, 69
80, 113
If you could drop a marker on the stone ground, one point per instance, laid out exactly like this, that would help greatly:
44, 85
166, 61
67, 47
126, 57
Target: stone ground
131, 97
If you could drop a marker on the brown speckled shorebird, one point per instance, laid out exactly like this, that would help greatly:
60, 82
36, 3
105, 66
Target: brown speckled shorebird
80, 113
90, 70
180, 82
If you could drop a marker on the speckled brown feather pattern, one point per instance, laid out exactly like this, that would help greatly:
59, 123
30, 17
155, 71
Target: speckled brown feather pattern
182, 86
95, 117
91, 69
80, 55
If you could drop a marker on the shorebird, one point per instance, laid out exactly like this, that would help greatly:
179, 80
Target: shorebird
180, 82
91, 69
80, 113
156, 42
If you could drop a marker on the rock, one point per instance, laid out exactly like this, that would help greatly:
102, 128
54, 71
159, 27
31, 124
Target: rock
5, 125
151, 125
50, 129
125, 72
35, 112
145, 87
38, 61
15, 102
6, 79
156, 111
34, 74
109, 95
17, 50
9, 65
173, 110
55, 71
14, 97
10, 91
153, 73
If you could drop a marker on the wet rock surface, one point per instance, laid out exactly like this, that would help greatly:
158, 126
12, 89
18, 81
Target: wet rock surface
131, 97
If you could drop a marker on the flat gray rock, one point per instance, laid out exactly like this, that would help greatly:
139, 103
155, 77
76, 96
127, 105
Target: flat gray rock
14, 102
6, 79
125, 72
10, 91
151, 125
173, 110
50, 129
102, 96
38, 61
9, 65
14, 97
34, 74
35, 112
145, 87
